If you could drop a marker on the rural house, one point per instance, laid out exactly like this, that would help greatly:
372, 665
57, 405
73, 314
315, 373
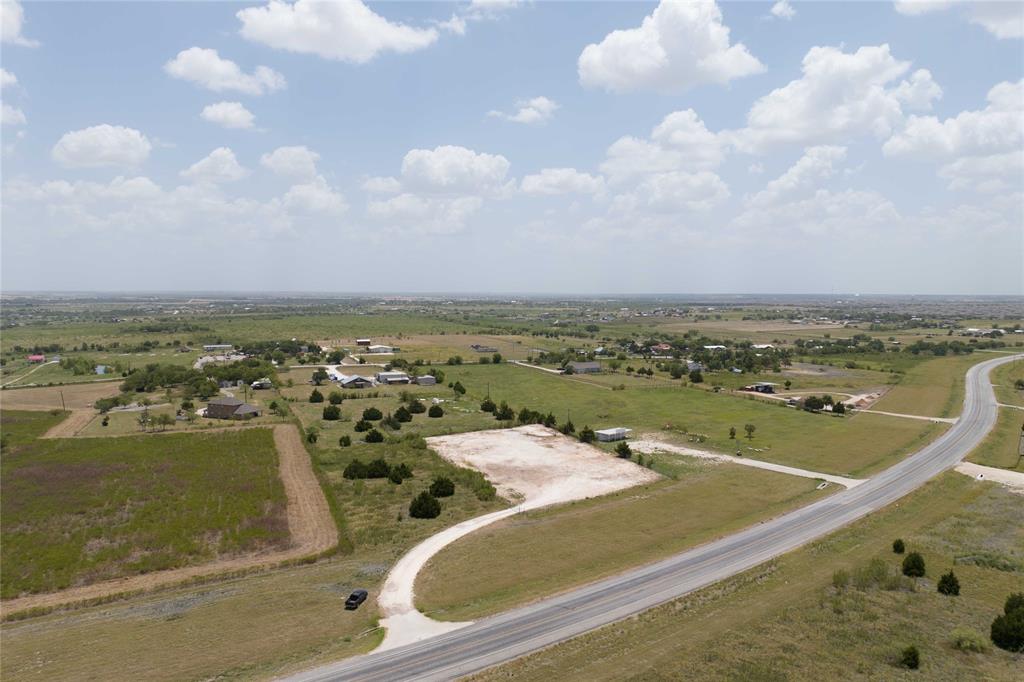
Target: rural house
226, 407
393, 378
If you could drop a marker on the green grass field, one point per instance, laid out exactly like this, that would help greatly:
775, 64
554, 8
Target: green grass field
546, 551
76, 511
1001, 448
1003, 380
932, 388
785, 621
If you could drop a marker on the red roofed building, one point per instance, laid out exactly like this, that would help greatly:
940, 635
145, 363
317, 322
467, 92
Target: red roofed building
37, 358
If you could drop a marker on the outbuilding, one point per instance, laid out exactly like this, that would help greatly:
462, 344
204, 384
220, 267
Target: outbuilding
393, 378
609, 435
589, 367
426, 380
227, 407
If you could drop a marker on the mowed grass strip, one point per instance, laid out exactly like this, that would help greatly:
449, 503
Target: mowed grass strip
931, 388
784, 620
851, 446
542, 552
1003, 381
77, 511
1001, 448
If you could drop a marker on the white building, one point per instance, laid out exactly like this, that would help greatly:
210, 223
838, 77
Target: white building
393, 378
379, 348
609, 435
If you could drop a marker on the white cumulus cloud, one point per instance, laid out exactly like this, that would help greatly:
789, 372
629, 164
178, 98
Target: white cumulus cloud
553, 181
454, 169
678, 46
7, 79
429, 215
343, 30
206, 68
102, 145
535, 110
12, 116
783, 10
219, 166
298, 161
12, 20
228, 115
1002, 18
680, 141
816, 164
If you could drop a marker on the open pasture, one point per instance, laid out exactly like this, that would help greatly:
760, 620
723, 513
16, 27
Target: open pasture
77, 511
73, 397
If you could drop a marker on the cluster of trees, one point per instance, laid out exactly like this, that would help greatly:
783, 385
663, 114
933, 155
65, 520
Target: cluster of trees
202, 383
378, 468
81, 365
278, 350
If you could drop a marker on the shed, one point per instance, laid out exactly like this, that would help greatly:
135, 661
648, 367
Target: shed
589, 367
393, 378
609, 435
426, 380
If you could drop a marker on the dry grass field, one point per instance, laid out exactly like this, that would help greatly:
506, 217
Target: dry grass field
75, 396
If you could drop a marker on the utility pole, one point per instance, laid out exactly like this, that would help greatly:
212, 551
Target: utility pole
62, 405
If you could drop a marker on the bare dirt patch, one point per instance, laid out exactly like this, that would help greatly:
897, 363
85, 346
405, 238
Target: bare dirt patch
75, 396
72, 425
310, 526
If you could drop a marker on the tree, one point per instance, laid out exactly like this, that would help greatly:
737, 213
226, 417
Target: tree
813, 403
839, 408
332, 413
404, 470
442, 487
391, 422
1007, 630
163, 420
354, 469
345, 441
910, 658
504, 412
335, 398
496, 358
749, 428
732, 433
898, 547
374, 436
623, 450
696, 377
424, 506
363, 425
316, 396
312, 434
459, 388
913, 565
787, 383
568, 428
402, 414
395, 476
372, 414
106, 420
416, 407
587, 435
488, 405
435, 411
949, 585
319, 376
187, 406
378, 468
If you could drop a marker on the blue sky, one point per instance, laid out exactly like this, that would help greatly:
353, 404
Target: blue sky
513, 146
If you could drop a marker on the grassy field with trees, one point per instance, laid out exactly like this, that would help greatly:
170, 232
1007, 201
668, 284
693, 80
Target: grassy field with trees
77, 511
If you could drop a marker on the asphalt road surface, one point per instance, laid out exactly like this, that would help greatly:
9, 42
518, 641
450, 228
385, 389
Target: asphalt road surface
509, 635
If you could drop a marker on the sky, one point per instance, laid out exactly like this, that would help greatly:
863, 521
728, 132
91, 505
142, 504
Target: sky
513, 146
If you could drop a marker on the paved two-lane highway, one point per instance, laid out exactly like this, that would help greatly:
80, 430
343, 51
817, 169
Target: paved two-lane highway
514, 633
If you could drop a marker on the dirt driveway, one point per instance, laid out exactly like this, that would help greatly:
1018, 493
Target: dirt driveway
310, 524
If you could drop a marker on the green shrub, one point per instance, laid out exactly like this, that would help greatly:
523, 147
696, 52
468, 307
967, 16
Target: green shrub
1014, 602
378, 468
345, 441
404, 470
395, 476
435, 411
898, 547
355, 469
949, 585
913, 565
372, 414
363, 425
424, 506
623, 450
335, 398
840, 579
442, 487
416, 407
391, 422
587, 435
910, 658
316, 396
374, 436
332, 413
871, 574
488, 405
966, 639
402, 414
1007, 630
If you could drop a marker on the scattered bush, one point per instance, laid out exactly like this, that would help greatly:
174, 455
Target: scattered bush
696, 377
395, 476
840, 579
391, 422
442, 487
949, 585
568, 428
332, 413
363, 425
587, 435
372, 414
966, 639
416, 407
335, 398
424, 506
374, 436
435, 411
316, 396
910, 658
345, 441
913, 565
378, 468
504, 412
623, 450
354, 469
402, 414
1007, 630
898, 547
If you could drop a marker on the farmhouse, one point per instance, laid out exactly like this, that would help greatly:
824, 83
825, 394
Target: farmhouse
426, 380
226, 407
585, 367
378, 348
661, 348
609, 435
393, 378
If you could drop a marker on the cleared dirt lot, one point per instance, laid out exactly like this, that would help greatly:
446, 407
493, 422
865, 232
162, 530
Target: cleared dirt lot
535, 466
76, 396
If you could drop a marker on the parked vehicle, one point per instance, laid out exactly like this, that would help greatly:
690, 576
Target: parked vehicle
355, 599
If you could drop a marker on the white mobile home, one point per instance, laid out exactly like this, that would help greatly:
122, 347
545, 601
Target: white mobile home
609, 435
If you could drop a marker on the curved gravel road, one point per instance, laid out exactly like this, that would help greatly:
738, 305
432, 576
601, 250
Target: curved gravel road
514, 633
